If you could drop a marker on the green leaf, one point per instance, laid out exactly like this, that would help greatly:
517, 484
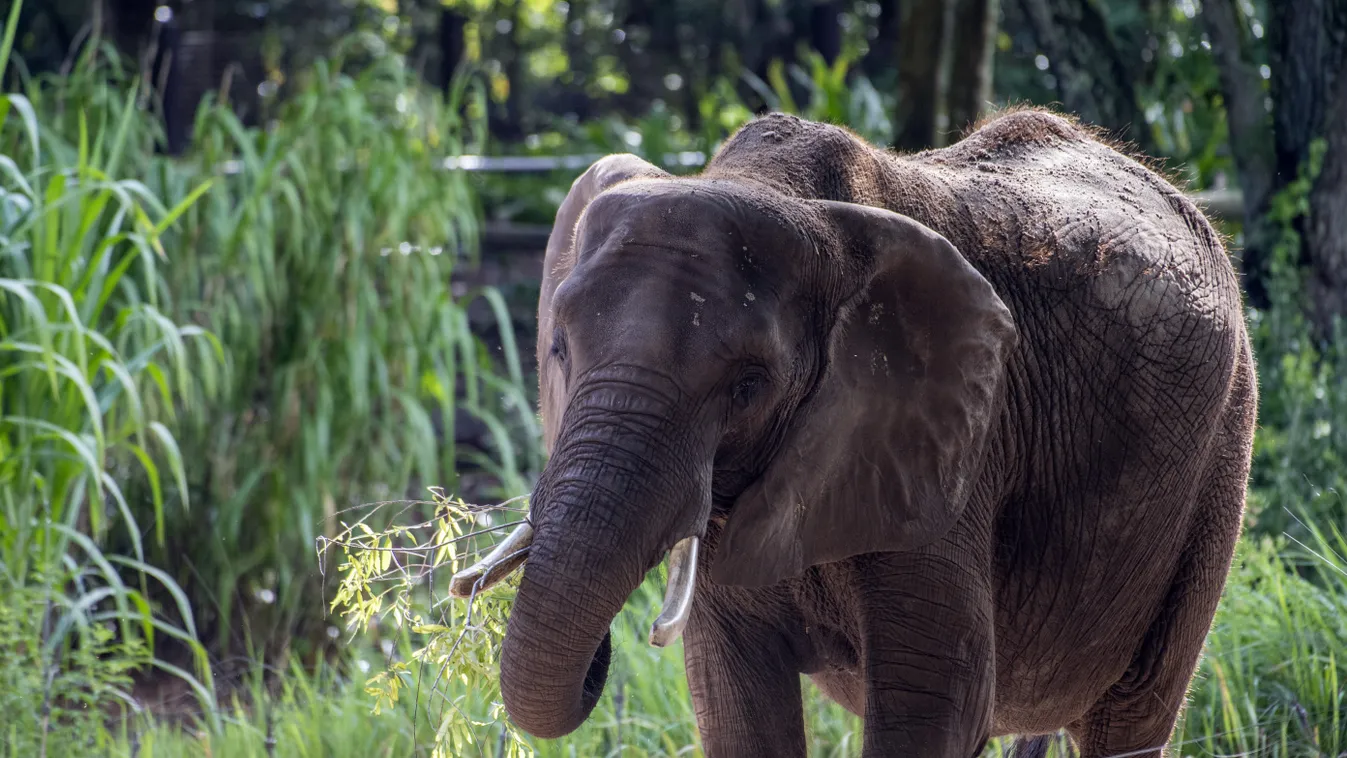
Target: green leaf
33, 307
156, 492
81, 447
7, 45
174, 460
182, 207
132, 527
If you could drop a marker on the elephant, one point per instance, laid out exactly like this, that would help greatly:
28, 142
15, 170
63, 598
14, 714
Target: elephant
963, 435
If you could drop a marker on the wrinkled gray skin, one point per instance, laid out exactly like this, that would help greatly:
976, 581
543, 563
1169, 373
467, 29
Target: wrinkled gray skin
972, 457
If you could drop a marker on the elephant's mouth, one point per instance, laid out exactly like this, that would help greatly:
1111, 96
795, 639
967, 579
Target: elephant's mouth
512, 553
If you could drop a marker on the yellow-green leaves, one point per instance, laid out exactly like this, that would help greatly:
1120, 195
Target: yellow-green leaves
394, 581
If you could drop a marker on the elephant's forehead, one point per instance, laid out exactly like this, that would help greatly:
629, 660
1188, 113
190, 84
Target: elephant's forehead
673, 192
707, 244
677, 273
675, 285
711, 213
667, 306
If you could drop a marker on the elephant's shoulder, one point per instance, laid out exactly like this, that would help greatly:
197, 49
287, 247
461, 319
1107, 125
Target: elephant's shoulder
1012, 139
786, 134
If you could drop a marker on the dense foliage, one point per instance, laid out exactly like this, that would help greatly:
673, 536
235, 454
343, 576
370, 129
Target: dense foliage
92, 364
204, 363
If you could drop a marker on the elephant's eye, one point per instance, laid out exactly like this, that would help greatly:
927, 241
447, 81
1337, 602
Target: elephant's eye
559, 351
748, 388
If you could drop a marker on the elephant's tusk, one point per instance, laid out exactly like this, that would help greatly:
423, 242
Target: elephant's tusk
509, 555
678, 595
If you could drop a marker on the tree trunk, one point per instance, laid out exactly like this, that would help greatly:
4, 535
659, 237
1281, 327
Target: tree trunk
1308, 51
970, 81
509, 126
1093, 80
919, 74
453, 45
882, 57
1302, 63
661, 54
825, 29
1326, 232
1250, 135
573, 34
127, 23
169, 70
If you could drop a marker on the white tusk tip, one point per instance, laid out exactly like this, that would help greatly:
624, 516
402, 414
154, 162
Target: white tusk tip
507, 556
678, 594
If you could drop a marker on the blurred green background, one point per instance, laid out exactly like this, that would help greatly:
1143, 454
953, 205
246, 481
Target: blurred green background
262, 265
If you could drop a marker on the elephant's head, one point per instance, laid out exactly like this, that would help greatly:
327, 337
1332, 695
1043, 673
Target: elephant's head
820, 374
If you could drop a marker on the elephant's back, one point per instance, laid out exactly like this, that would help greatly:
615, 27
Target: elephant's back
1032, 199
1037, 194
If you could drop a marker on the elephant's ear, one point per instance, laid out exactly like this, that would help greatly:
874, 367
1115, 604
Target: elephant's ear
885, 452
560, 257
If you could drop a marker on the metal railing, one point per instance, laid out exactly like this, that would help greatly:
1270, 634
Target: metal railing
540, 163
1221, 203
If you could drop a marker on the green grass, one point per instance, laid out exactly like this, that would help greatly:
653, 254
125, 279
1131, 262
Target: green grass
1272, 681
322, 259
327, 267
204, 359
1268, 686
91, 366
646, 711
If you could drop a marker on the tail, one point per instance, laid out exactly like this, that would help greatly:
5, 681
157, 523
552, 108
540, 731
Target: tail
1032, 747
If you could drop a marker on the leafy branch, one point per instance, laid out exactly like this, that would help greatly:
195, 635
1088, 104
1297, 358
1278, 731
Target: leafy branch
388, 577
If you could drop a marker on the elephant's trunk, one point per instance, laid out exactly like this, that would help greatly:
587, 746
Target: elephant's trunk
554, 660
608, 505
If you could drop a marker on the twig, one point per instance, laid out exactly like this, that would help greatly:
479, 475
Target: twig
419, 548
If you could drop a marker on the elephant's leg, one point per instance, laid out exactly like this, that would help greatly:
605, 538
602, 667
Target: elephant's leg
745, 685
1137, 714
927, 627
